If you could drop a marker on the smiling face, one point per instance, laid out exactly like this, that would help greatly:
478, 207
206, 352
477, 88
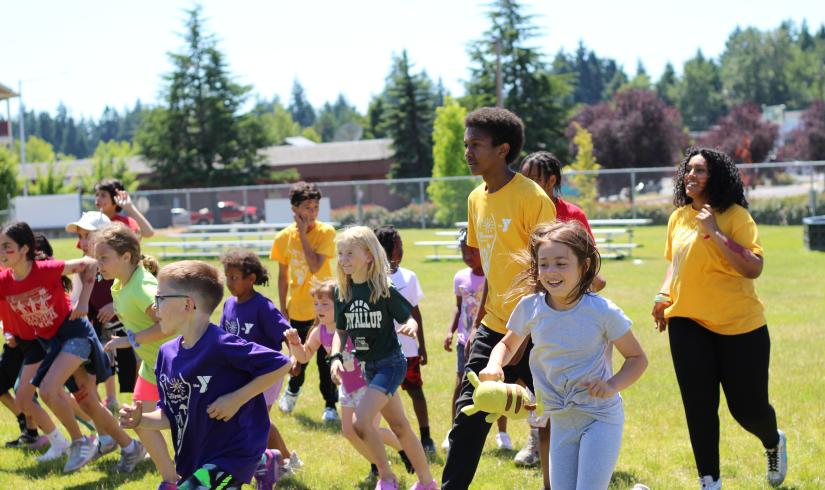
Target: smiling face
239, 285
696, 177
11, 254
354, 260
308, 210
481, 155
324, 308
559, 272
110, 264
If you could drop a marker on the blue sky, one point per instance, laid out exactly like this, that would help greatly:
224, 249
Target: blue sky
94, 53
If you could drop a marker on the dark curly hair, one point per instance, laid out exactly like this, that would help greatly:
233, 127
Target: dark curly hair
386, 235
544, 164
503, 127
247, 262
110, 186
303, 191
724, 187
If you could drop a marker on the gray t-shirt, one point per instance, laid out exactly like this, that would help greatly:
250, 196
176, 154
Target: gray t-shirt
569, 348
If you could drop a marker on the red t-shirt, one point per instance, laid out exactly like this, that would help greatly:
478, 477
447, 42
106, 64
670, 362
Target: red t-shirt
39, 300
12, 323
131, 223
566, 211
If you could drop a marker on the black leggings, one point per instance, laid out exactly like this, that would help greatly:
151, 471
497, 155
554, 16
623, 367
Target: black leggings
703, 360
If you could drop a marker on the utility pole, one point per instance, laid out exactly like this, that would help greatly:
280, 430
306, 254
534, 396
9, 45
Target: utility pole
498, 73
22, 136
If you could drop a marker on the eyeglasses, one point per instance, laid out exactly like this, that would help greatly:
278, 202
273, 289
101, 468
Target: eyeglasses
160, 297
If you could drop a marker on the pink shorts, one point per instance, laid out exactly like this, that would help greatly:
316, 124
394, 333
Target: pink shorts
271, 393
145, 391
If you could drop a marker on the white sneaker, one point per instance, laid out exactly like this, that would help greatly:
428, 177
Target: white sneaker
81, 452
105, 445
446, 444
291, 464
330, 415
529, 454
503, 441
56, 451
707, 483
777, 461
287, 402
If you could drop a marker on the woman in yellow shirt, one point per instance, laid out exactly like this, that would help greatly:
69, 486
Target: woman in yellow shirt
717, 328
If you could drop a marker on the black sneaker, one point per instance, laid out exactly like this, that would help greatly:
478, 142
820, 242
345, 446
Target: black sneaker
407, 463
428, 445
24, 440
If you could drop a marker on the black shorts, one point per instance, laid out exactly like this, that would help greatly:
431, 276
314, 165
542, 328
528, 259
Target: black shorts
11, 360
33, 351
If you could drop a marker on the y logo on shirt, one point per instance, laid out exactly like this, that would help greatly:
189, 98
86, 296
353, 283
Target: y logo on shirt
247, 327
177, 392
204, 383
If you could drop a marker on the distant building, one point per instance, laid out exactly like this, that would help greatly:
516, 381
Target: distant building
6, 136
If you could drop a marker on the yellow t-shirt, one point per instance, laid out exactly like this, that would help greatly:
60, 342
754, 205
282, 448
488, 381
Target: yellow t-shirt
287, 250
704, 286
499, 225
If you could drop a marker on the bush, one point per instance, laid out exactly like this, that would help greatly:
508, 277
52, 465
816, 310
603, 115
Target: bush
373, 215
410, 216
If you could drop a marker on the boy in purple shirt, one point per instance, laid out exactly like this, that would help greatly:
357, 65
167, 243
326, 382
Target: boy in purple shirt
210, 384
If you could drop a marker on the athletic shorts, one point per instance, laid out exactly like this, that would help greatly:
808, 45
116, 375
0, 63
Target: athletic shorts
145, 391
351, 400
412, 378
33, 351
210, 477
10, 363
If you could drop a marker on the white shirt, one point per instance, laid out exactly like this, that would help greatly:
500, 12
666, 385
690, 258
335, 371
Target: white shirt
406, 282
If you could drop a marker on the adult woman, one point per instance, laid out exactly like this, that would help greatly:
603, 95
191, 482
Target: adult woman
715, 321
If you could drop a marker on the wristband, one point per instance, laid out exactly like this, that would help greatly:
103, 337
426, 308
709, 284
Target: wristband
132, 339
334, 357
662, 298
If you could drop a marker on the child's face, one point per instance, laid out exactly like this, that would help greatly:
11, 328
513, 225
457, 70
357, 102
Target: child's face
307, 210
238, 284
354, 260
104, 202
109, 263
559, 270
175, 311
397, 254
480, 153
83, 242
11, 254
324, 309
471, 256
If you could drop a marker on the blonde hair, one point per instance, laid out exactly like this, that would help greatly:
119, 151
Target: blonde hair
570, 233
197, 277
378, 272
121, 239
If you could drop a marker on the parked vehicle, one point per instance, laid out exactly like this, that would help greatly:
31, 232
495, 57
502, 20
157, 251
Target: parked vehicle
230, 212
181, 217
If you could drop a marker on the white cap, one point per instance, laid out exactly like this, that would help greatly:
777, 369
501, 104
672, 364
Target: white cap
89, 221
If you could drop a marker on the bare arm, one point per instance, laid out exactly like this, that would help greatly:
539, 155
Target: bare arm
501, 355
477, 320
743, 260
132, 417
634, 365
303, 352
226, 406
86, 269
314, 259
663, 300
283, 287
124, 201
422, 346
448, 339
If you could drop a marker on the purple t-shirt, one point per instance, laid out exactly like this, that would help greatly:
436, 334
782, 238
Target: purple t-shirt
351, 377
256, 320
189, 380
469, 287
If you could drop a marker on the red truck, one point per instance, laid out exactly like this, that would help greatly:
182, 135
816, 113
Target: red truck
230, 212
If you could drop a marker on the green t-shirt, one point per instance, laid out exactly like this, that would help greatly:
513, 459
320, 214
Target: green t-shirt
370, 326
131, 301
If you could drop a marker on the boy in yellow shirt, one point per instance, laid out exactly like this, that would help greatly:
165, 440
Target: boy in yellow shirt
501, 215
303, 251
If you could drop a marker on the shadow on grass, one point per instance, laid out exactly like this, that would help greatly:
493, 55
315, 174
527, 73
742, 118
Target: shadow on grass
310, 423
623, 480
112, 479
292, 483
503, 454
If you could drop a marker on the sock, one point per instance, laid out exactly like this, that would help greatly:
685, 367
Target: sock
56, 438
21, 422
131, 447
407, 463
425, 433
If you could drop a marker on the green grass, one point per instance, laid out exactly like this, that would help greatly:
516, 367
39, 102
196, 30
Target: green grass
655, 449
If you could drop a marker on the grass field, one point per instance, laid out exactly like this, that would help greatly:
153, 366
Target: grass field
655, 451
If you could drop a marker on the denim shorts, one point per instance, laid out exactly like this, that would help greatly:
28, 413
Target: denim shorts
78, 346
385, 375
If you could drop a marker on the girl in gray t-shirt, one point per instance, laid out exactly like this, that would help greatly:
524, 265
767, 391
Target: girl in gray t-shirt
573, 331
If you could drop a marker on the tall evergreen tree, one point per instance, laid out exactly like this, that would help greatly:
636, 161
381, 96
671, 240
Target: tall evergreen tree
666, 85
199, 137
449, 196
529, 89
699, 93
409, 119
299, 107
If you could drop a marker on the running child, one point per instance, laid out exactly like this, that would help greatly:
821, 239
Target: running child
572, 331
406, 282
210, 384
366, 304
74, 356
468, 286
303, 251
111, 198
134, 286
352, 387
254, 318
